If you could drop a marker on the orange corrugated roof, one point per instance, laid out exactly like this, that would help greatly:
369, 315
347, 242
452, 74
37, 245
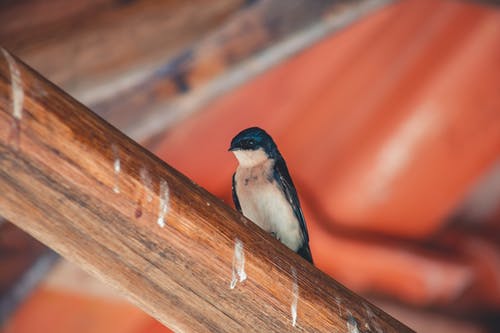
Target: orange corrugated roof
61, 311
385, 126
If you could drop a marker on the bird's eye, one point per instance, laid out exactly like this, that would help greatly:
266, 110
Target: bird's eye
251, 142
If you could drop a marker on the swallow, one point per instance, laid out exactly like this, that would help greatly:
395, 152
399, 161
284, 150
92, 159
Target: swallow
263, 190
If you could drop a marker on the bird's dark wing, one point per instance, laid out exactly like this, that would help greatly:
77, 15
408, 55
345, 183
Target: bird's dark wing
284, 180
305, 252
235, 196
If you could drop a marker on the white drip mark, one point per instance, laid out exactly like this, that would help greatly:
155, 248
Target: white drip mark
295, 300
164, 199
17, 97
146, 180
117, 167
238, 269
352, 324
17, 89
370, 315
338, 301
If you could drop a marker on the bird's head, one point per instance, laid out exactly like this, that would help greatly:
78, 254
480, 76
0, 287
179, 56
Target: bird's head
252, 146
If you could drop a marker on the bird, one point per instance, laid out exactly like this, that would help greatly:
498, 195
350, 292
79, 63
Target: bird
263, 190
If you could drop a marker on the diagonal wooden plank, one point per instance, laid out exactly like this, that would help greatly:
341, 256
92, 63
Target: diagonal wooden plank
147, 230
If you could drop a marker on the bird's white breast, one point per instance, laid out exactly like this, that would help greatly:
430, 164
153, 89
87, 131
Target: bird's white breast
263, 202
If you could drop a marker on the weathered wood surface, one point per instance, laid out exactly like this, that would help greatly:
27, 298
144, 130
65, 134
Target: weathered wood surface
65, 40
101, 200
89, 47
249, 42
143, 65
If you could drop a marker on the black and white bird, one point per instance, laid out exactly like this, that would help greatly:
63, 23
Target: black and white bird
264, 192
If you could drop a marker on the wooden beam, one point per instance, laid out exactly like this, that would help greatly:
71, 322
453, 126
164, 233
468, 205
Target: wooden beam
92, 194
88, 47
251, 41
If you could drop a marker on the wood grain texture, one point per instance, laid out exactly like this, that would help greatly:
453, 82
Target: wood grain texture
87, 46
250, 41
95, 196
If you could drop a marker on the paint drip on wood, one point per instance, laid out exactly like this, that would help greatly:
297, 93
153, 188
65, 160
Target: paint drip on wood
339, 302
148, 184
373, 325
116, 167
164, 202
352, 324
17, 98
295, 297
238, 270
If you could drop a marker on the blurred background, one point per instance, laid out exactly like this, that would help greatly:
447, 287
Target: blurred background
387, 113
